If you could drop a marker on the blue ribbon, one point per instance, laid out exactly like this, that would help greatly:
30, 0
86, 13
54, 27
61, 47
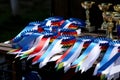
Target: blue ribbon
48, 50
25, 42
64, 38
102, 68
65, 23
26, 29
75, 46
89, 48
105, 63
78, 22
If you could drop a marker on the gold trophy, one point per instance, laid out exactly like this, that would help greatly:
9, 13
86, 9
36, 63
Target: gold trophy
104, 7
117, 8
116, 18
110, 24
116, 14
87, 5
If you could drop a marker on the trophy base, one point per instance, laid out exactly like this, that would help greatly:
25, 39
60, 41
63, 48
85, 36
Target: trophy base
90, 29
103, 32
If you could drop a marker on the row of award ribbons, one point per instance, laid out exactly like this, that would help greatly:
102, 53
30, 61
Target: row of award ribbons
56, 39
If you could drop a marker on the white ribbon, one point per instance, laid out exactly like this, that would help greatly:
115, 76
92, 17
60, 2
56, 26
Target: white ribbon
113, 52
67, 25
91, 58
56, 49
115, 69
43, 48
73, 57
33, 46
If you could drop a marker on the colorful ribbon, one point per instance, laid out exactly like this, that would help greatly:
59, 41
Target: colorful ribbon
71, 54
111, 51
39, 44
55, 47
78, 22
106, 68
26, 43
94, 54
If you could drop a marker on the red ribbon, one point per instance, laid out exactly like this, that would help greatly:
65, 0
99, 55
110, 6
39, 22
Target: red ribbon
40, 45
62, 57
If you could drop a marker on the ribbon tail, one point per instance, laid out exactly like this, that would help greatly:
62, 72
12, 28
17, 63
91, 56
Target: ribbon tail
92, 56
66, 68
60, 66
42, 64
56, 57
77, 69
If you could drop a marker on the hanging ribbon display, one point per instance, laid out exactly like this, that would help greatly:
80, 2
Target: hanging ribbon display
71, 54
106, 65
43, 44
26, 43
39, 44
114, 70
84, 54
57, 40
105, 58
55, 47
36, 48
78, 62
94, 54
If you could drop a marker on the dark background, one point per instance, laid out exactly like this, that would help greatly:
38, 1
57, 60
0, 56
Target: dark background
37, 10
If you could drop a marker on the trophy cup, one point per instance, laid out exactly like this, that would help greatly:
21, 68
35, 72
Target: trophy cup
104, 7
116, 14
110, 24
117, 19
117, 8
87, 5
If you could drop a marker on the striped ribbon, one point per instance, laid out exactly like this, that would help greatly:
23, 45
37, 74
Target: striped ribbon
106, 67
26, 43
40, 42
84, 55
66, 24
94, 54
111, 51
36, 48
71, 55
55, 47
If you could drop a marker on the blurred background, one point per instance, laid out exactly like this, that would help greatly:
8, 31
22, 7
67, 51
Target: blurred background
16, 14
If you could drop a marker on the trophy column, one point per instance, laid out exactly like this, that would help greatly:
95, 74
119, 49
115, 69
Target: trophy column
87, 5
104, 7
110, 25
